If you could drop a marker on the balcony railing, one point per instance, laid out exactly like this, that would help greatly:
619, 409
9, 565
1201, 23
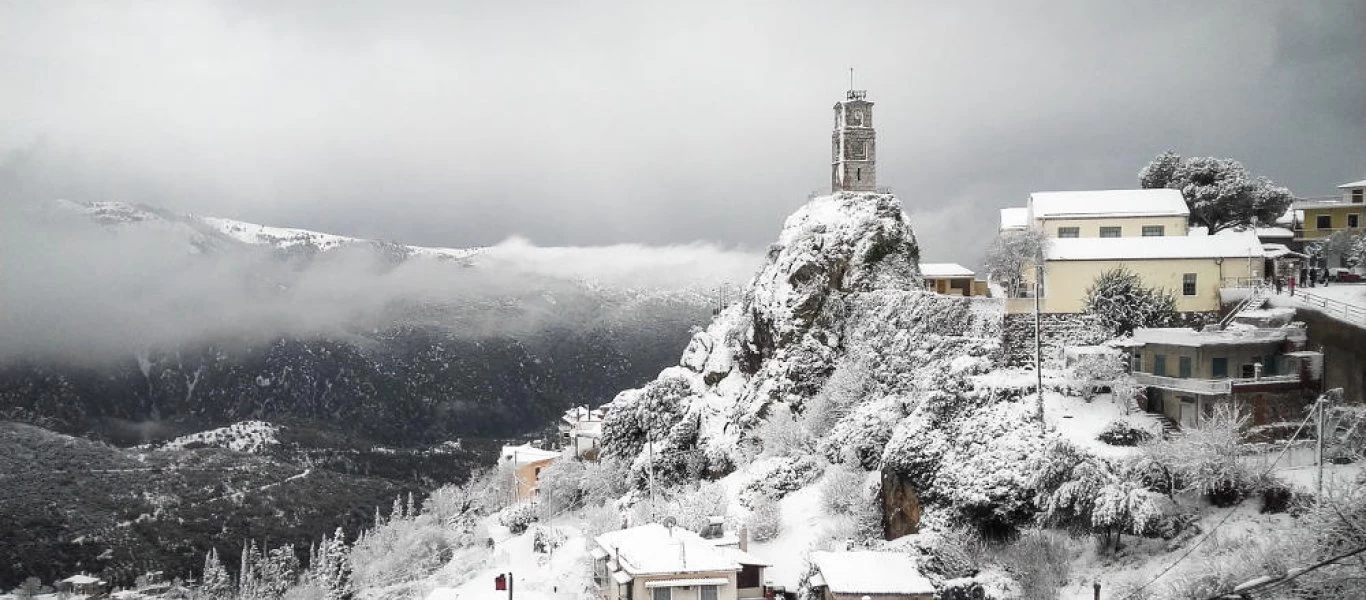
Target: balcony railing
1210, 387
1204, 387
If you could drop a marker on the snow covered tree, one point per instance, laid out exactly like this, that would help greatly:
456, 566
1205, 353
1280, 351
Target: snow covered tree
1219, 191
331, 567
278, 571
1346, 245
765, 519
1011, 255
780, 433
29, 588
636, 417
215, 584
561, 486
1206, 457
1121, 303
248, 580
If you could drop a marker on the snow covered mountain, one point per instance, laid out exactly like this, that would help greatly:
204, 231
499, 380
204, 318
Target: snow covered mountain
213, 232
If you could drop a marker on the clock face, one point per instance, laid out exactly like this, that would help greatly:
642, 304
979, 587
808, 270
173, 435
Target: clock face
858, 117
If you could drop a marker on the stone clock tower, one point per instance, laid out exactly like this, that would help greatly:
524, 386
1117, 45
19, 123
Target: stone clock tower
853, 162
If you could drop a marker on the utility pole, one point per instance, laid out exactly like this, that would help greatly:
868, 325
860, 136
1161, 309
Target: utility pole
1038, 342
652, 477
1318, 479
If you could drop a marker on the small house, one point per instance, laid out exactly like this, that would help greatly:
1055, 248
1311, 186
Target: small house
952, 279
81, 585
854, 575
655, 562
1324, 217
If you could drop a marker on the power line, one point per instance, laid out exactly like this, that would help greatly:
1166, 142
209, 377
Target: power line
1227, 516
1290, 575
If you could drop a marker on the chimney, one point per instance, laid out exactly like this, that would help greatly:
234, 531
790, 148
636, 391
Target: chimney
744, 538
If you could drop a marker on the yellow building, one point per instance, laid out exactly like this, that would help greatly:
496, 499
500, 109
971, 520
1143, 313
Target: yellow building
1322, 218
1144, 231
952, 279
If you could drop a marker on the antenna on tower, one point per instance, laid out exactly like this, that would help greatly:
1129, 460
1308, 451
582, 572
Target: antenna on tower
851, 78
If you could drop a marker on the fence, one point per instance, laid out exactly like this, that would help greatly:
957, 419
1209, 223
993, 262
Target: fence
1350, 313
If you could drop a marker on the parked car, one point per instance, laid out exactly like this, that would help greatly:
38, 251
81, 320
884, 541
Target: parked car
1345, 275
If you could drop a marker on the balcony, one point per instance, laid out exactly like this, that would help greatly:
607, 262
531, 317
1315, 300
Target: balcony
1213, 387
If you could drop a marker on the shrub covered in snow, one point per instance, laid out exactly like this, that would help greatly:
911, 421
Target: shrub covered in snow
773, 478
765, 520
1206, 457
1121, 303
843, 490
780, 433
862, 435
1123, 432
518, 517
560, 486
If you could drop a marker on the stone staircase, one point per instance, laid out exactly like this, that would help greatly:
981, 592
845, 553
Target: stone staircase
1255, 300
1168, 426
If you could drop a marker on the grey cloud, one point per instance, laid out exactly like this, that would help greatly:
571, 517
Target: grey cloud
458, 124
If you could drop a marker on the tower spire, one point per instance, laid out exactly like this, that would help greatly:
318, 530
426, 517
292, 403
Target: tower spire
853, 161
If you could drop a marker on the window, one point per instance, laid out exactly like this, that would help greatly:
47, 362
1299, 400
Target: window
1183, 367
1358, 196
1160, 365
1154, 231
661, 593
1069, 232
1109, 232
1138, 363
1249, 371
1219, 367
706, 592
1354, 221
1323, 222
1188, 284
858, 174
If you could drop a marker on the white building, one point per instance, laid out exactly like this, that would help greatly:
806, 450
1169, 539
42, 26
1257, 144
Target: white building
581, 430
881, 575
654, 562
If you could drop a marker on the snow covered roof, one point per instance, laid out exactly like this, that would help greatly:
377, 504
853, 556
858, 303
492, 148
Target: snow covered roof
869, 572
525, 454
1014, 218
1354, 184
1238, 244
1183, 336
945, 270
81, 580
1275, 232
1279, 251
654, 548
1108, 203
743, 557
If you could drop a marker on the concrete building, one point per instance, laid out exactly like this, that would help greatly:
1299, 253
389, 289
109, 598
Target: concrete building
526, 462
853, 145
1319, 219
580, 431
654, 562
1144, 231
1267, 370
879, 575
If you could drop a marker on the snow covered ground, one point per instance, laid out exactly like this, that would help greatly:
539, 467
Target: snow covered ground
536, 576
1342, 301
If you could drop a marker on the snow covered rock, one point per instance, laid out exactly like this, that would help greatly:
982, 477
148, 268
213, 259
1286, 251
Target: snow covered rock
841, 286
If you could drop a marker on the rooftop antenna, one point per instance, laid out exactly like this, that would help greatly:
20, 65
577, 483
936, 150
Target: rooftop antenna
851, 78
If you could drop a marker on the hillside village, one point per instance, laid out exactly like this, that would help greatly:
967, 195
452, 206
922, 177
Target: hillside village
1140, 395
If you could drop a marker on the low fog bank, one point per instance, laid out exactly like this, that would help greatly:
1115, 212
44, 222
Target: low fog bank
76, 290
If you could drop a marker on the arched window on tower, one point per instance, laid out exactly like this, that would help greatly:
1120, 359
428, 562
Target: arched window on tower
858, 174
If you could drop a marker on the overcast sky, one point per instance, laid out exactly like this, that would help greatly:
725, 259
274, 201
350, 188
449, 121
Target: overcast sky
458, 123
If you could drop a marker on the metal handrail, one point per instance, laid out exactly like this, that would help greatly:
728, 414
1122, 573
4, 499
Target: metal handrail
1185, 384
1332, 307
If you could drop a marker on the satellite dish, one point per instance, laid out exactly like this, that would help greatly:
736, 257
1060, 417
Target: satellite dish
670, 522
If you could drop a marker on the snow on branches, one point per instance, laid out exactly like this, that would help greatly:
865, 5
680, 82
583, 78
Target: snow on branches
1121, 303
1219, 191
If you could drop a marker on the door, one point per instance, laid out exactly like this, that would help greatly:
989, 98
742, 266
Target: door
1190, 414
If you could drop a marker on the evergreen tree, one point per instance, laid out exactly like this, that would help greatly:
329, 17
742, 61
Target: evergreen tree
331, 567
248, 579
1121, 303
1219, 191
215, 583
279, 570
